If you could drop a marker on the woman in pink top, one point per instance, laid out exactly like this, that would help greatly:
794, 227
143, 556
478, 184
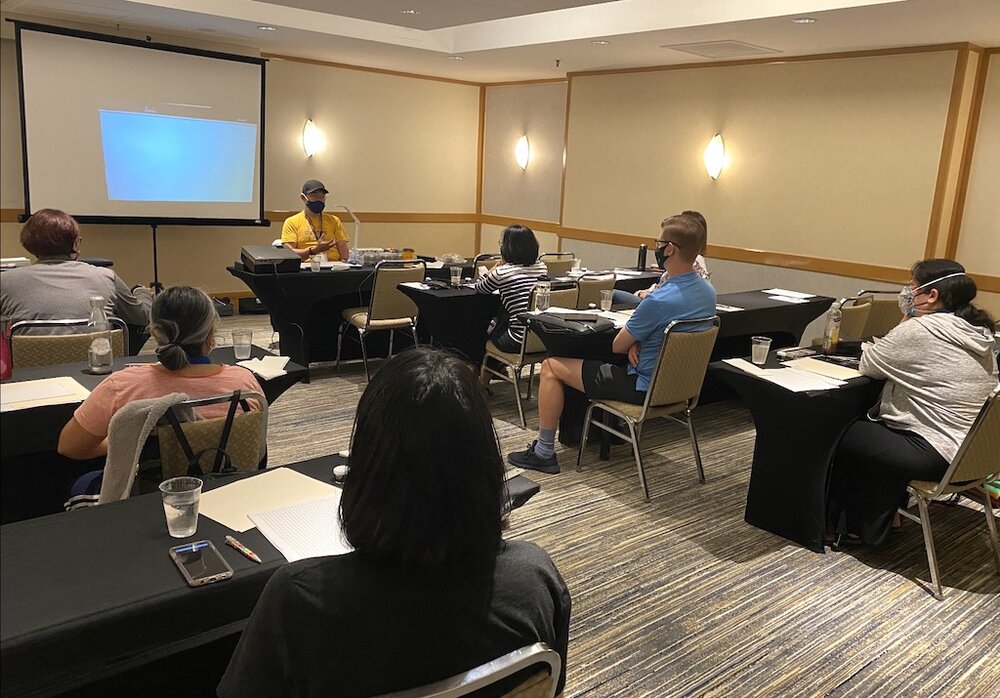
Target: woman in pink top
183, 325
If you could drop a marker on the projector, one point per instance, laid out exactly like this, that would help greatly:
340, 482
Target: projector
264, 259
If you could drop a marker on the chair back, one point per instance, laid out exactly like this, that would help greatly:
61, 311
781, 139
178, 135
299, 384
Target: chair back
29, 350
591, 286
497, 670
683, 361
855, 316
245, 444
884, 314
558, 263
388, 302
978, 457
484, 261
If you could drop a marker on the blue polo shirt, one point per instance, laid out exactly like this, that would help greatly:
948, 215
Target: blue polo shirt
681, 297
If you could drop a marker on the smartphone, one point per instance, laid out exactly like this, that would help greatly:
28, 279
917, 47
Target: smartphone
200, 563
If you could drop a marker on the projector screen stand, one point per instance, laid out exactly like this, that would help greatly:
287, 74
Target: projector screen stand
155, 283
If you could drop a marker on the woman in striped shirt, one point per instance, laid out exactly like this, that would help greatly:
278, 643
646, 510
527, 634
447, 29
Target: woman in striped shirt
514, 278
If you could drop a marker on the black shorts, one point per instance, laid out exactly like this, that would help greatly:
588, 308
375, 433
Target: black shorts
603, 381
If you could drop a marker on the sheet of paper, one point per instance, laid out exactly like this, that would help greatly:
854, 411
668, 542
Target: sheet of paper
788, 378
231, 504
267, 367
416, 284
723, 308
824, 368
305, 529
627, 273
435, 265
45, 391
787, 299
786, 292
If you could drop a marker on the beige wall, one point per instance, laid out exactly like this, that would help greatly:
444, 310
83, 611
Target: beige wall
979, 242
394, 144
538, 111
835, 159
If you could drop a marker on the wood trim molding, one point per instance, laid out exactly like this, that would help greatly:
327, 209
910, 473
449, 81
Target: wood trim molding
387, 217
540, 226
968, 151
775, 60
480, 164
947, 151
541, 81
562, 183
366, 69
10, 215
986, 282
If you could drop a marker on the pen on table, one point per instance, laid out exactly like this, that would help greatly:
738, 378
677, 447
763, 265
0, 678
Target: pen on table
247, 552
193, 547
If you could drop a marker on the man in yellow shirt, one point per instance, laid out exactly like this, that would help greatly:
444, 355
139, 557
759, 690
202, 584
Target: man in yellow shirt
313, 232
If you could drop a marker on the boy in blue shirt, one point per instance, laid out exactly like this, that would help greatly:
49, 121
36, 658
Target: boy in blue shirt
684, 295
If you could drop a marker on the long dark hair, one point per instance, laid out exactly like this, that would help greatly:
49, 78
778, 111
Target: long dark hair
955, 293
426, 485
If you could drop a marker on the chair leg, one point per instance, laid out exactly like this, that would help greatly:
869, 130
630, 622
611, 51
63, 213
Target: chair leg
364, 354
584, 436
340, 342
392, 335
638, 458
925, 524
517, 396
992, 525
413, 331
531, 377
694, 447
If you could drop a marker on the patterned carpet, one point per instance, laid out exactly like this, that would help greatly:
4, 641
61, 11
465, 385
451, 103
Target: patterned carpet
680, 597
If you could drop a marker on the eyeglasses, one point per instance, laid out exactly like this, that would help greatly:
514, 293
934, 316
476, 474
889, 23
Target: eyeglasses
660, 244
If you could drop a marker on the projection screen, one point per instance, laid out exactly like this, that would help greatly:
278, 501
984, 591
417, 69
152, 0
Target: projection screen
121, 131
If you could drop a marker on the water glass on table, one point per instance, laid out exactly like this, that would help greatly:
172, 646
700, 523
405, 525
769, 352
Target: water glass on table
456, 275
241, 344
606, 297
180, 505
759, 348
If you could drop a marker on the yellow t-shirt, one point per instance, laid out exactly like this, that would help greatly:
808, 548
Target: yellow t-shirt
303, 232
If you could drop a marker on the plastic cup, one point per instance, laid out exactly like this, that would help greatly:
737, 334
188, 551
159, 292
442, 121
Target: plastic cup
241, 344
576, 266
315, 264
543, 299
606, 299
759, 348
456, 275
180, 505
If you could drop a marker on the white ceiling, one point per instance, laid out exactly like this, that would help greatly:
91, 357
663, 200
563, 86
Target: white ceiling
523, 39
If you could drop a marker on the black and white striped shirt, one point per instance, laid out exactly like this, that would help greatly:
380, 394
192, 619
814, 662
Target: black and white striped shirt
515, 283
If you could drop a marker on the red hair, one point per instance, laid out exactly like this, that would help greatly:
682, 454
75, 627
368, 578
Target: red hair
50, 233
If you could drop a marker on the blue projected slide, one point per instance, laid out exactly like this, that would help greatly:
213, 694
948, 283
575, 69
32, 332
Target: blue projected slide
152, 157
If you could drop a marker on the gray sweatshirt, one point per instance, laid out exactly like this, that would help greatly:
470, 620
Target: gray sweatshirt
939, 371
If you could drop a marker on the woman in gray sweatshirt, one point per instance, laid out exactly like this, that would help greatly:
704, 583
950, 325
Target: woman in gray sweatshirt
939, 366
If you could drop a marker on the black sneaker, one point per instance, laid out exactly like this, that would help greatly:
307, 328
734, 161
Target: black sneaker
529, 460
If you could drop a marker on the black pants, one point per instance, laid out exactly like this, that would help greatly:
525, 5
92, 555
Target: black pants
871, 468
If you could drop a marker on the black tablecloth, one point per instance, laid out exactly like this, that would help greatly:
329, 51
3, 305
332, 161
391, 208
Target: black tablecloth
306, 310
90, 593
455, 318
36, 479
796, 436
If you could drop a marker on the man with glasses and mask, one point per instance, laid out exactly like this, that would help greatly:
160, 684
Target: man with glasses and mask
313, 232
684, 294
632, 300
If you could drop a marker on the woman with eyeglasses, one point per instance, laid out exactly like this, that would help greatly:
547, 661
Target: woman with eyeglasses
939, 367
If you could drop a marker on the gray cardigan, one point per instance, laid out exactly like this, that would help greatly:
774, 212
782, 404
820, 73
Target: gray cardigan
939, 370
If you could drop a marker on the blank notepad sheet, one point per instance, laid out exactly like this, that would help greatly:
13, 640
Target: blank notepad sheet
306, 529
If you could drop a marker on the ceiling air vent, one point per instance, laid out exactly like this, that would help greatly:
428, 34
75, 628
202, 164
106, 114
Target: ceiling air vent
722, 49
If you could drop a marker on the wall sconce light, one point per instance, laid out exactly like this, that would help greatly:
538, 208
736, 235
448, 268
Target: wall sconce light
715, 156
522, 152
312, 138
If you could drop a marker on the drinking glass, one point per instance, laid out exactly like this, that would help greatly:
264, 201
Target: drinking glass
606, 299
759, 348
180, 505
241, 344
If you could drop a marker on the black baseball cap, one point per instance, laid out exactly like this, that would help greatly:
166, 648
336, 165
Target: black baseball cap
313, 185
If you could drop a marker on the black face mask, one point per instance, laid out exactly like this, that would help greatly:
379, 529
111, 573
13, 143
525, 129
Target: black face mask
316, 206
661, 257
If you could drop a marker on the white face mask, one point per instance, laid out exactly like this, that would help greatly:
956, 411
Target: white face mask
905, 299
